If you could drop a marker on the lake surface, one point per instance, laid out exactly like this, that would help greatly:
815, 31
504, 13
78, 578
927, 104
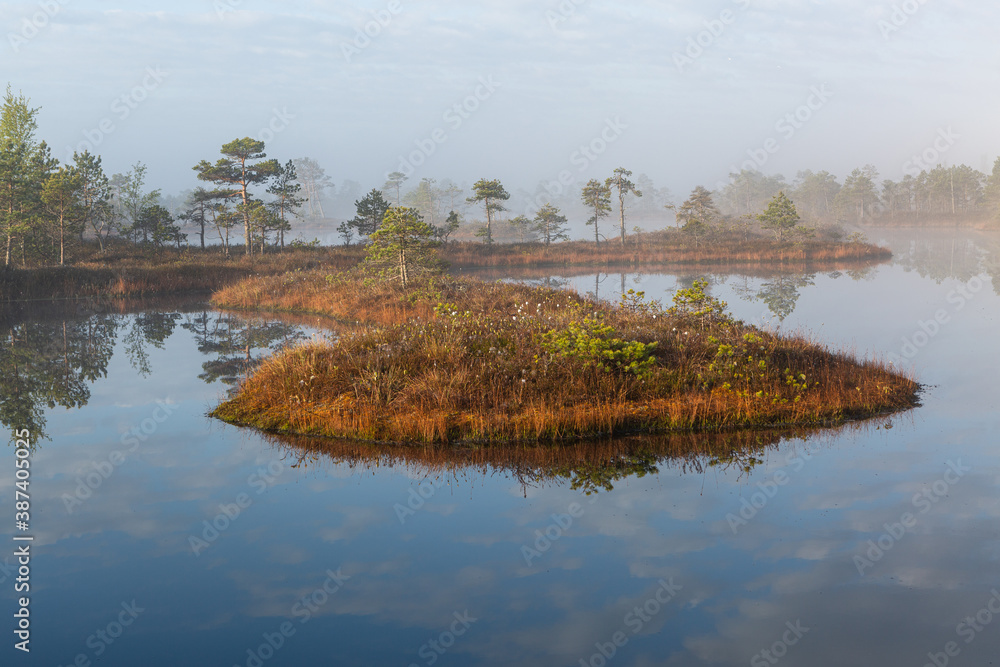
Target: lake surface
163, 537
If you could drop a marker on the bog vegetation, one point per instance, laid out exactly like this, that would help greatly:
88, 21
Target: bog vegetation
444, 360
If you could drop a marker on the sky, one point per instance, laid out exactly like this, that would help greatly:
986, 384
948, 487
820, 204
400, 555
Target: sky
524, 91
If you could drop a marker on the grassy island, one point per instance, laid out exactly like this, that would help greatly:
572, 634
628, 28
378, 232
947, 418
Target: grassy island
447, 360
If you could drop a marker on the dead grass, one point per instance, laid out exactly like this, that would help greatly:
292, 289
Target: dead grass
465, 361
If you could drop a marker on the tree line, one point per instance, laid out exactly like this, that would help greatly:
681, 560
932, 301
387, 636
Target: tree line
46, 206
941, 192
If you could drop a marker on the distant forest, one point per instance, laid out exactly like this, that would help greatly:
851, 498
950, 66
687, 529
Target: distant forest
247, 199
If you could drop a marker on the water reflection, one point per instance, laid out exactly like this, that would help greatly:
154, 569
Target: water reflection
147, 330
669, 508
781, 294
588, 467
232, 341
44, 364
943, 254
53, 357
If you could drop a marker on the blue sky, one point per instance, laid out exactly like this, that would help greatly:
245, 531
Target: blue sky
193, 75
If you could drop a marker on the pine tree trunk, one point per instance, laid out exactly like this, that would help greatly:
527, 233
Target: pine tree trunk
621, 201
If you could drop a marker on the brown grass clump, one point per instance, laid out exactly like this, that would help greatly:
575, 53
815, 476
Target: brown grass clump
459, 360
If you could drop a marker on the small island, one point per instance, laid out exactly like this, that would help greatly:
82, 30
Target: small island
438, 359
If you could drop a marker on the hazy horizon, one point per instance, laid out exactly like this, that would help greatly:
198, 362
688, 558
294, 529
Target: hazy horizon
534, 83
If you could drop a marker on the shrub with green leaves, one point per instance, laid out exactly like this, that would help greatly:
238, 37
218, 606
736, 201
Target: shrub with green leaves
694, 302
595, 343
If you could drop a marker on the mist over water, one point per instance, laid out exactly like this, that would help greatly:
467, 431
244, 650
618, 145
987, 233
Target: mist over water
687, 549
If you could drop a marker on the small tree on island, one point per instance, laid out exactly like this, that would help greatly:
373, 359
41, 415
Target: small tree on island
371, 211
698, 213
620, 182
490, 194
699, 206
780, 215
597, 197
403, 245
549, 223
450, 226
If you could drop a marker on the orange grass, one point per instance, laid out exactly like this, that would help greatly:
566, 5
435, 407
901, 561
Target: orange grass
459, 360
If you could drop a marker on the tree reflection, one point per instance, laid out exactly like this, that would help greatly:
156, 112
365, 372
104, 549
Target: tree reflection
780, 294
49, 364
53, 359
939, 256
148, 329
236, 344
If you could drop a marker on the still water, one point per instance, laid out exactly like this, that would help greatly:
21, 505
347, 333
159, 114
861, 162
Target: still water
163, 537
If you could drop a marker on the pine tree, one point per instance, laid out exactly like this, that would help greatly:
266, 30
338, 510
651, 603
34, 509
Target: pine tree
95, 193
402, 245
596, 197
370, 211
699, 206
780, 215
490, 194
242, 166
451, 224
620, 182
285, 190
394, 181
60, 197
198, 210
314, 183
549, 223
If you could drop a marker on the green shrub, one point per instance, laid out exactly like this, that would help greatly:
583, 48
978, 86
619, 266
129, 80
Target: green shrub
594, 343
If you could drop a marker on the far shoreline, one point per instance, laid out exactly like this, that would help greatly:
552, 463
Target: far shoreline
140, 272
